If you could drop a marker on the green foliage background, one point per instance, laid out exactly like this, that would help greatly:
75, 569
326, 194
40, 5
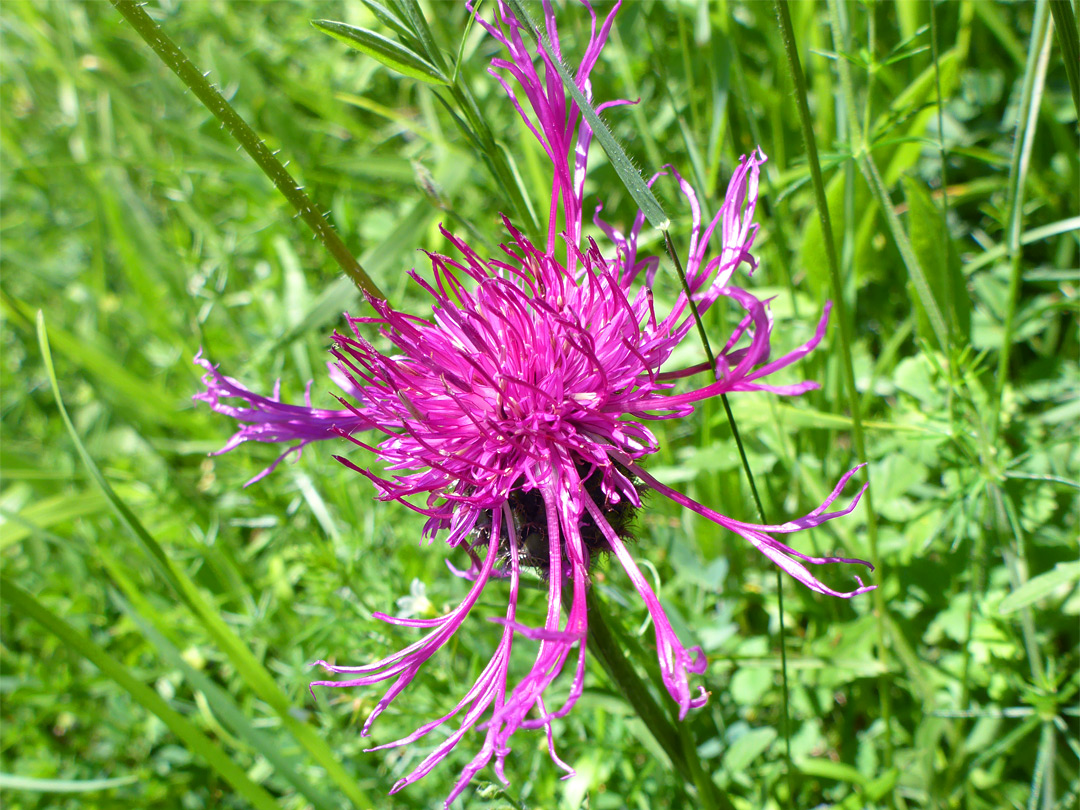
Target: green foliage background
130, 220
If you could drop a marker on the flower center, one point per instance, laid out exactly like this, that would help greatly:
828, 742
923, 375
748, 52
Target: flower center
531, 524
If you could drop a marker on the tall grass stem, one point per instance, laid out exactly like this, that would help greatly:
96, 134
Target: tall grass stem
173, 58
846, 342
1026, 119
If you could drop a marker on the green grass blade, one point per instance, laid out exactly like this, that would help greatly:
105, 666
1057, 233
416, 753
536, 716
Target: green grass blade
387, 52
933, 246
822, 768
391, 20
160, 561
225, 708
250, 669
1042, 775
633, 90
1026, 118
143, 396
49, 512
409, 10
993, 17
812, 418
1041, 586
1069, 41
1016, 562
916, 273
1028, 238
697, 163
194, 740
10, 781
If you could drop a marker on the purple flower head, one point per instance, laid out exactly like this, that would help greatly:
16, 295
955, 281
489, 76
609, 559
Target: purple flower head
513, 417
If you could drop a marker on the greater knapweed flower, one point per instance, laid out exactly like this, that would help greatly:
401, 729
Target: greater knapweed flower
514, 416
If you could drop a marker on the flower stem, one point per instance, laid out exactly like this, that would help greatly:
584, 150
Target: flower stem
786, 720
173, 58
673, 737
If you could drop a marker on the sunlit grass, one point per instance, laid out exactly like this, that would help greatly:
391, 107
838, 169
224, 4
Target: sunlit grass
141, 233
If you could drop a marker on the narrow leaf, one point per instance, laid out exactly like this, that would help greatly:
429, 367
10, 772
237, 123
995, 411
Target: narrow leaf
48, 512
391, 20
194, 740
827, 769
938, 256
748, 748
916, 272
143, 396
1040, 586
804, 417
409, 10
1069, 41
390, 53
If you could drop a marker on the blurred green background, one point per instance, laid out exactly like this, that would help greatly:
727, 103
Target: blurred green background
172, 662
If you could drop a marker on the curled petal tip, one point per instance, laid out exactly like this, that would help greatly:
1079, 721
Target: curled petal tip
857, 592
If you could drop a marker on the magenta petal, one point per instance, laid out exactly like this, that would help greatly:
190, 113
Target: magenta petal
540, 633
268, 419
770, 547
